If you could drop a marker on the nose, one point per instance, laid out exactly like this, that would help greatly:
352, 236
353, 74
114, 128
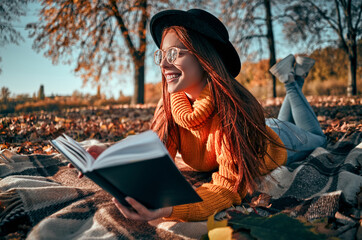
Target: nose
164, 63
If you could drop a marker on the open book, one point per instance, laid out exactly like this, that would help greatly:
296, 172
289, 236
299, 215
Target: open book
138, 166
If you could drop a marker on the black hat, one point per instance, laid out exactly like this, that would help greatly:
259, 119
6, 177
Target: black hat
204, 23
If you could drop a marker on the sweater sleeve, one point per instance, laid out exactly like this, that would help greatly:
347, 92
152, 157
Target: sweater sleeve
216, 195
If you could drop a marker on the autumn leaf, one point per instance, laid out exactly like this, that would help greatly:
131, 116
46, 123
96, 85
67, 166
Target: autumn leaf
276, 227
320, 226
211, 223
260, 201
221, 233
3, 146
217, 230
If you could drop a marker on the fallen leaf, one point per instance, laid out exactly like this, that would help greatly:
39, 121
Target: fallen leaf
276, 227
262, 200
211, 223
221, 233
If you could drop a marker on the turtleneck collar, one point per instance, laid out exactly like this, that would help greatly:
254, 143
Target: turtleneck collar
192, 116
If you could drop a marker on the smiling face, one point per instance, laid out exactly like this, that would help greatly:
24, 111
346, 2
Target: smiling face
186, 73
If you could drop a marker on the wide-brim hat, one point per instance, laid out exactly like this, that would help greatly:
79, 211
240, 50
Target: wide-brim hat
204, 23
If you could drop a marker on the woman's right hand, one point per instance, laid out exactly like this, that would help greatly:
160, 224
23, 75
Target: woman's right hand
94, 151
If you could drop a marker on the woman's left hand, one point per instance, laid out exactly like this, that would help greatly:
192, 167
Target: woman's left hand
140, 212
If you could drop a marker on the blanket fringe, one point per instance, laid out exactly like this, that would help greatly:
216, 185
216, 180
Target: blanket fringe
11, 206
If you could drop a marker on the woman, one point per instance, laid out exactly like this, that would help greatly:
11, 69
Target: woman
214, 122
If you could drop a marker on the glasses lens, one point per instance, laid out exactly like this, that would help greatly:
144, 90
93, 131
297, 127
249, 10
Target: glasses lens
158, 57
171, 55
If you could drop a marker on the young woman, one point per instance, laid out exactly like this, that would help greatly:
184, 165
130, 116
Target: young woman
214, 122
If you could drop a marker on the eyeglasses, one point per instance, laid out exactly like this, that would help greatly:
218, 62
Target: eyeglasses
172, 54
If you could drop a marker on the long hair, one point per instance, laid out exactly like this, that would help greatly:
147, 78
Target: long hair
242, 117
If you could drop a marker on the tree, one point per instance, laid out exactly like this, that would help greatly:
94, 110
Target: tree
5, 94
109, 37
320, 22
41, 94
10, 11
251, 22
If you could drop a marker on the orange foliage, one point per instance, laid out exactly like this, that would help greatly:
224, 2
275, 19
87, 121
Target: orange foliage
153, 92
254, 73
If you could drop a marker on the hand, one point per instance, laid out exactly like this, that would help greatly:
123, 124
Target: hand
140, 212
80, 174
95, 151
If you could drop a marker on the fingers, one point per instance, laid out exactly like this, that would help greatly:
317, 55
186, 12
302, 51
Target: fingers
80, 174
126, 211
95, 150
142, 210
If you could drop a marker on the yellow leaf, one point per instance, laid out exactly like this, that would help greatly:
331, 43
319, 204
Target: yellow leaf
211, 223
221, 233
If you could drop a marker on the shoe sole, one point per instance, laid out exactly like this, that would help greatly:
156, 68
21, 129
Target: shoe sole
274, 69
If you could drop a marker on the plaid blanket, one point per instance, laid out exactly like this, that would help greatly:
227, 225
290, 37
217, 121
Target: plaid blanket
44, 199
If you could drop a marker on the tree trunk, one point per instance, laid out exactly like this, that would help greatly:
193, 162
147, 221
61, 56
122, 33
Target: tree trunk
98, 90
140, 57
271, 43
352, 73
351, 50
139, 83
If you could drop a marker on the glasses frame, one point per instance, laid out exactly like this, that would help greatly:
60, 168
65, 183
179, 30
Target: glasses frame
164, 54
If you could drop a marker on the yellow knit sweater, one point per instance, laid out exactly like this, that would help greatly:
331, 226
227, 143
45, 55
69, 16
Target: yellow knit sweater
199, 134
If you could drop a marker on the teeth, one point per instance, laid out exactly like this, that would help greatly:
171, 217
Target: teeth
168, 77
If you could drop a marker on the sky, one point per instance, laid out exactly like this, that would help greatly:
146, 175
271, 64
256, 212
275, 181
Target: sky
24, 70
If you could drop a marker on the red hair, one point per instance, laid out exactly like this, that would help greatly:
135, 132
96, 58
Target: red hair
242, 116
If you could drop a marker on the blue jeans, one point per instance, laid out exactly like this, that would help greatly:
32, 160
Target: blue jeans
297, 125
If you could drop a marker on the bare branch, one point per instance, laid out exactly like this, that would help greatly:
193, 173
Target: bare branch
330, 21
142, 28
358, 18
123, 28
340, 29
253, 36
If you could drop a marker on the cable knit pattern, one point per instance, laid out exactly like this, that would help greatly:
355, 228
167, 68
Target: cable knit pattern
199, 129
191, 116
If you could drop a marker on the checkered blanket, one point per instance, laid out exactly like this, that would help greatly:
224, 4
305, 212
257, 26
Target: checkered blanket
44, 199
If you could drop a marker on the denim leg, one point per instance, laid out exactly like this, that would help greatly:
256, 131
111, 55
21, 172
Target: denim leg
297, 125
303, 114
285, 112
299, 142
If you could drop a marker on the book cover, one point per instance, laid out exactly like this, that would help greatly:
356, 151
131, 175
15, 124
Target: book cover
139, 167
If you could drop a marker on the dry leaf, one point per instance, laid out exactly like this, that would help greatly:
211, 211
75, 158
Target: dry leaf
211, 223
262, 200
221, 233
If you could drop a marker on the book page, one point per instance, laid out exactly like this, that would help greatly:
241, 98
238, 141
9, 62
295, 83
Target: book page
75, 159
81, 150
134, 148
73, 151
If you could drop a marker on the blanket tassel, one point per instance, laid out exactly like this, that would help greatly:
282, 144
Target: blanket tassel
11, 206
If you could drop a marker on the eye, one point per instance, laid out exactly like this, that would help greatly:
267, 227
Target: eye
172, 54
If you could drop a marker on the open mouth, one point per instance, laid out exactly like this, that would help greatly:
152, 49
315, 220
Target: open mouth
172, 77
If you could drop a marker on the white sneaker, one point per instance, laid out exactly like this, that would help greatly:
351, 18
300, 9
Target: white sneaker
283, 68
303, 65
